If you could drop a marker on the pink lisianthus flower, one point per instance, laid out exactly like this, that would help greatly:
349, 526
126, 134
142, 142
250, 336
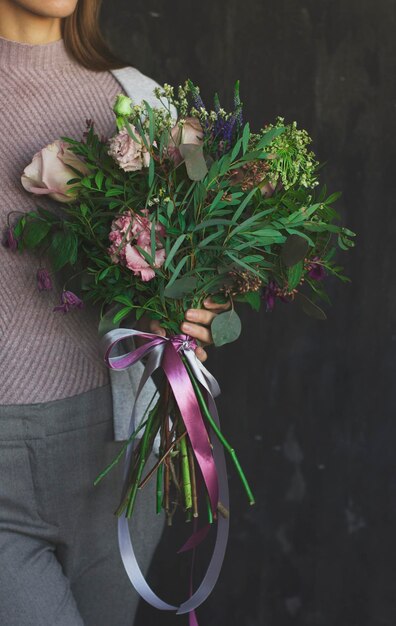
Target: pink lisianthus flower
131, 230
50, 171
130, 155
139, 265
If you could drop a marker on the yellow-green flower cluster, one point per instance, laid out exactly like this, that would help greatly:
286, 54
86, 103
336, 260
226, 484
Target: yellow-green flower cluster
293, 162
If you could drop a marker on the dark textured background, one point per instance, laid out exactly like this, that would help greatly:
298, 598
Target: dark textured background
311, 404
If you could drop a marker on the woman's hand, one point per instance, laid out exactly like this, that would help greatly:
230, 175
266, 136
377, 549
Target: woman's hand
197, 324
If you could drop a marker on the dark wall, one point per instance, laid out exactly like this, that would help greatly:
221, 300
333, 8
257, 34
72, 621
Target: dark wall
310, 405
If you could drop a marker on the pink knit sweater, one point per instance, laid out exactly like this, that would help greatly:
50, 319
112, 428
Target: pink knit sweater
43, 94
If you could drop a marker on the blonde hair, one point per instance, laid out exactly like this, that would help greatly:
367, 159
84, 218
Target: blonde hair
84, 40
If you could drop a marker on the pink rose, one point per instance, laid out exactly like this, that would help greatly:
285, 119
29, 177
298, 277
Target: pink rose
130, 230
130, 155
50, 171
190, 132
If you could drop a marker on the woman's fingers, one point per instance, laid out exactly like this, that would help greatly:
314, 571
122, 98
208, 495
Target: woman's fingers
200, 316
204, 316
155, 327
201, 353
210, 304
201, 333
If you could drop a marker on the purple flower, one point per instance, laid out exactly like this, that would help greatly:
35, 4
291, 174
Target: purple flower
317, 271
44, 282
69, 300
270, 293
11, 241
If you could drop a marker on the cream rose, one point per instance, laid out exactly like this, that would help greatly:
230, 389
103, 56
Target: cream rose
50, 171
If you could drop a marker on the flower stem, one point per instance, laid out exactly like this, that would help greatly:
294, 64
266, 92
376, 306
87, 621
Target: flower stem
185, 474
218, 432
142, 461
193, 480
160, 474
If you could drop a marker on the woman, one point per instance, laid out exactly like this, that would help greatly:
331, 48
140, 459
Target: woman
59, 560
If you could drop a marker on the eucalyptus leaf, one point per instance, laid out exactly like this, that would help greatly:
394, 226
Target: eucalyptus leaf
294, 249
309, 307
195, 161
225, 327
180, 287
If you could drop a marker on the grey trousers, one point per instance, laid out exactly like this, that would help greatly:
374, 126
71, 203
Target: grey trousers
59, 557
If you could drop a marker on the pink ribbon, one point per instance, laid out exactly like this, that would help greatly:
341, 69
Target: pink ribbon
164, 352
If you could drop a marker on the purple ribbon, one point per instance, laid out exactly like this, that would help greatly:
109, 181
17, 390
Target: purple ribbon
164, 352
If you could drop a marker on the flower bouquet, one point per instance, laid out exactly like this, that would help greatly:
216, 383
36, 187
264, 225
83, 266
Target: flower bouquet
180, 204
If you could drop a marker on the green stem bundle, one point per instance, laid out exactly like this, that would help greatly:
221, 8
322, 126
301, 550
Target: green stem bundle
218, 432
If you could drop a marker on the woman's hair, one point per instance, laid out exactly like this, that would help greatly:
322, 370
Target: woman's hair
83, 38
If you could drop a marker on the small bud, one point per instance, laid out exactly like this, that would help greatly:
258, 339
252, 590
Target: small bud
69, 300
11, 241
44, 282
122, 106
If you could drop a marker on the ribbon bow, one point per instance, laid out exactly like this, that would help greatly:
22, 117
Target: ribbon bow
165, 352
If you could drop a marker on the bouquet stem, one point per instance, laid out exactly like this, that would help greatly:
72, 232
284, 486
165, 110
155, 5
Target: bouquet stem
186, 474
218, 432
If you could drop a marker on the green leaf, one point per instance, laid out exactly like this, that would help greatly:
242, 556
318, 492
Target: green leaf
210, 238
245, 137
294, 274
244, 204
19, 226
124, 300
47, 215
246, 224
151, 171
170, 208
333, 198
311, 309
63, 249
236, 150
177, 271
174, 249
121, 314
181, 287
213, 222
99, 179
195, 161
251, 297
34, 232
225, 327
242, 263
294, 249
269, 136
